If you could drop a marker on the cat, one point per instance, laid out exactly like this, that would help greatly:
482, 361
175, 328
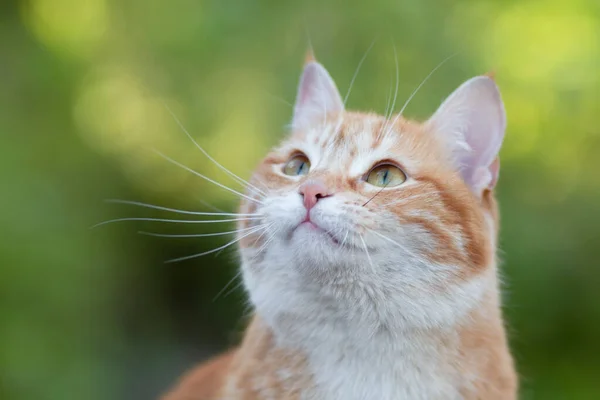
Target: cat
368, 253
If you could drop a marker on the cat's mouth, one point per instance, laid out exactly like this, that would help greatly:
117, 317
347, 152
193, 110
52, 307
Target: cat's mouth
312, 228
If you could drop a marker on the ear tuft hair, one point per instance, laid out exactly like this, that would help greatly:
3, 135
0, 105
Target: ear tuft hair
309, 56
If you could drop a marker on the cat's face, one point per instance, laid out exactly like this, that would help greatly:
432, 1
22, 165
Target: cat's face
381, 219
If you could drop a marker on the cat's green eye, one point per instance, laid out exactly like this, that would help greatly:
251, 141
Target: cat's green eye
386, 175
297, 165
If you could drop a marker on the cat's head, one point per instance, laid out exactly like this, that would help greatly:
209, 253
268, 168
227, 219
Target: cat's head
376, 219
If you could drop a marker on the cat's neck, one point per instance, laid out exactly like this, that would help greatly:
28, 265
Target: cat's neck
345, 359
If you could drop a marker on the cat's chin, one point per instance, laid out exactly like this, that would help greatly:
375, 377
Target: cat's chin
308, 231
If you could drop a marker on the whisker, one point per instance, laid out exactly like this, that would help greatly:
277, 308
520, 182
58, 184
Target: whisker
425, 80
227, 285
419, 87
258, 181
280, 99
233, 289
261, 235
360, 63
388, 102
215, 250
267, 242
207, 204
367, 252
241, 181
397, 79
375, 195
181, 221
206, 178
137, 203
388, 115
409, 252
193, 235
262, 225
345, 237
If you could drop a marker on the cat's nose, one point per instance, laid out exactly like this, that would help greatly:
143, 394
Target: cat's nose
312, 192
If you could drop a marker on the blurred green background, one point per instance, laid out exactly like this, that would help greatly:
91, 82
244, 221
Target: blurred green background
96, 314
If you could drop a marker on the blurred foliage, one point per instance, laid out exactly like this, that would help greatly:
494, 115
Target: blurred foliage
95, 314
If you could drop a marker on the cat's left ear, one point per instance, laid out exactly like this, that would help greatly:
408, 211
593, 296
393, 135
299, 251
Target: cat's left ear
317, 95
471, 122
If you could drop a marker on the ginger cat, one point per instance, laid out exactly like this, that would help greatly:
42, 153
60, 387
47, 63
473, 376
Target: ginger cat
368, 253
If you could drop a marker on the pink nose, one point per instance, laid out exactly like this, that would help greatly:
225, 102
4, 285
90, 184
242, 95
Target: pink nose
313, 191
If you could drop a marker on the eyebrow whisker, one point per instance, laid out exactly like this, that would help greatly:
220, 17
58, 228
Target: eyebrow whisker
360, 63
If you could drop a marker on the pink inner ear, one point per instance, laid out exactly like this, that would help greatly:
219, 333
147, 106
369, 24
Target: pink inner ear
495, 172
471, 122
317, 96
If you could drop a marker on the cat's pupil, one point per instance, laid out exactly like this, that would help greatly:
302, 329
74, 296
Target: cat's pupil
384, 178
301, 167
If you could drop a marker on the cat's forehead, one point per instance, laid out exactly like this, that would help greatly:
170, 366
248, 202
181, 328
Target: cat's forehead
354, 141
345, 129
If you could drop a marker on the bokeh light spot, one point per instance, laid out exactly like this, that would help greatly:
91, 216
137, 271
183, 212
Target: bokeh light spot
70, 27
545, 42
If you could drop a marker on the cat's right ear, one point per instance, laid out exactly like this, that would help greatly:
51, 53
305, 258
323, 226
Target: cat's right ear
317, 95
471, 123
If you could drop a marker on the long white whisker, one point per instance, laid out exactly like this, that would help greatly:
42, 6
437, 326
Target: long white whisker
217, 249
335, 233
345, 237
411, 253
425, 80
193, 235
227, 285
137, 203
360, 63
388, 102
228, 172
397, 79
267, 242
233, 289
266, 226
206, 178
262, 234
367, 252
384, 237
206, 204
280, 99
181, 221
419, 87
261, 183
388, 115
264, 246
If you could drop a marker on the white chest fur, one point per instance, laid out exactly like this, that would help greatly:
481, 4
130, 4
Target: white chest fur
421, 368
363, 344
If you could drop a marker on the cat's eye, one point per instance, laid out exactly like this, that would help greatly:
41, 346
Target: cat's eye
297, 165
386, 175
